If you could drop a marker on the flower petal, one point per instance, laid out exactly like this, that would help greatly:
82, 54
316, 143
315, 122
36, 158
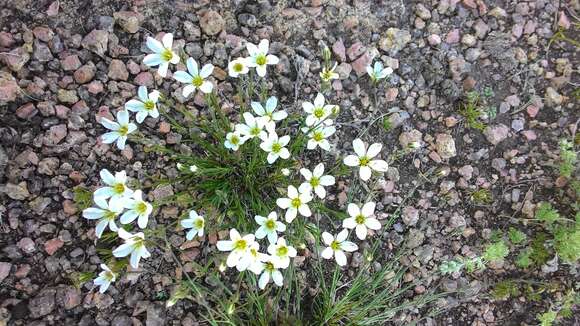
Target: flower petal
206, 71
361, 231
374, 150
340, 258
351, 160
327, 253
359, 147
365, 173
192, 66
379, 165
183, 77
327, 238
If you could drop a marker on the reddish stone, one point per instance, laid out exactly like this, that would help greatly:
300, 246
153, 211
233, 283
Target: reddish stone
164, 127
62, 111
51, 246
69, 207
355, 50
360, 65
77, 176
85, 73
22, 271
95, 87
339, 50
144, 79
391, 94
563, 21
529, 134
71, 62
452, 37
42, 33
6, 40
26, 111
532, 111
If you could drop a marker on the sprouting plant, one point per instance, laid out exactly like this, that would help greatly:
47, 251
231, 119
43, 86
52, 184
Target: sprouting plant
83, 198
539, 254
546, 213
547, 318
80, 278
505, 289
471, 109
567, 243
516, 236
496, 251
568, 158
524, 258
457, 265
387, 124
481, 196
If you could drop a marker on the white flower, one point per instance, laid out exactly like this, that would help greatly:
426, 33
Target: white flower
281, 253
195, 222
134, 245
145, 106
337, 246
193, 168
316, 181
361, 220
319, 137
296, 202
270, 117
120, 129
254, 261
137, 209
239, 248
285, 172
328, 74
163, 54
115, 189
275, 147
234, 140
105, 278
317, 111
238, 67
195, 79
269, 227
364, 159
259, 57
270, 271
254, 127
106, 213
377, 72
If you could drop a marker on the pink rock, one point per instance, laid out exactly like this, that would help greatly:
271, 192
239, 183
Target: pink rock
26, 111
144, 79
56, 134
339, 50
434, 39
470, 4
51, 246
6, 40
118, 70
164, 127
42, 33
4, 270
95, 87
133, 67
104, 112
391, 94
360, 64
9, 89
530, 27
563, 21
62, 111
517, 30
355, 50
71, 62
53, 9
452, 37
532, 111
529, 134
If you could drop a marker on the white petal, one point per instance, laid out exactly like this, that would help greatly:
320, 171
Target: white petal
252, 49
111, 125
100, 227
142, 93
134, 106
349, 223
327, 253
351, 160
271, 103
107, 177
348, 246
374, 150
206, 87
187, 90
261, 232
340, 258
192, 66
128, 217
167, 40
183, 77
225, 245
379, 165
353, 210
154, 45
342, 235
365, 173
264, 46
327, 180
278, 278
206, 71
123, 250
279, 115
261, 70
264, 280
258, 108
327, 238
152, 60
320, 192
290, 215
368, 209
93, 213
372, 223
361, 231
359, 147
272, 59
162, 70
304, 210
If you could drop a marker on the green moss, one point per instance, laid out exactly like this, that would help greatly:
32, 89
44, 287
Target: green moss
505, 289
83, 197
496, 251
516, 236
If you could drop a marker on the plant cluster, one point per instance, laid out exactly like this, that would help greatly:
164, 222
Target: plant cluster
243, 177
476, 111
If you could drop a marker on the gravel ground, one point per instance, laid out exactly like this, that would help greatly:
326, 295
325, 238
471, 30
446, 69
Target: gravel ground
66, 63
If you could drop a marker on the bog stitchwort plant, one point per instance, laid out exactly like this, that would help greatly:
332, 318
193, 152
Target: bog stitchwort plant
241, 176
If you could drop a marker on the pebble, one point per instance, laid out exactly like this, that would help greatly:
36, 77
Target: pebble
43, 304
212, 22
339, 50
118, 70
96, 41
9, 89
445, 146
51, 246
85, 73
410, 215
394, 40
128, 20
496, 133
5, 268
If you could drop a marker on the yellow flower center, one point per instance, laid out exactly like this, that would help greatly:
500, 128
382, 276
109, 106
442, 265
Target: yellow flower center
268, 266
255, 131
319, 112
123, 130
119, 188
360, 219
240, 244
261, 60
270, 224
109, 275
335, 245
296, 202
235, 140
141, 208
197, 81
167, 55
276, 147
282, 251
109, 215
238, 67
149, 105
314, 181
254, 252
318, 136
364, 161
199, 224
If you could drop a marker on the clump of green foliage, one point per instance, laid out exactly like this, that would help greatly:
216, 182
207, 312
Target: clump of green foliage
83, 197
568, 158
474, 108
482, 196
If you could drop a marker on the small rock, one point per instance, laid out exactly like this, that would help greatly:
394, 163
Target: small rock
4, 270
422, 12
71, 62
85, 73
553, 98
452, 37
26, 111
56, 134
9, 89
466, 171
339, 50
43, 33
410, 215
518, 125
495, 134
395, 40
360, 65
15, 59
434, 39
415, 238
68, 297
445, 146
26, 245
51, 246
16, 192
118, 70
130, 21
212, 22
391, 94
43, 304
96, 41
144, 79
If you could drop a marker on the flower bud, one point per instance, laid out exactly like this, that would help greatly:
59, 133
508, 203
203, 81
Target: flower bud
285, 172
326, 54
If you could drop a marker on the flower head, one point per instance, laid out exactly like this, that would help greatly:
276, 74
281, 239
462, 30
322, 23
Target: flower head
234, 140
134, 245
119, 129
162, 55
239, 248
259, 57
336, 246
105, 278
238, 67
296, 202
317, 111
377, 72
275, 147
319, 137
281, 253
364, 159
269, 227
270, 271
253, 127
328, 74
145, 106
138, 209
361, 219
115, 189
268, 112
195, 223
194, 78
105, 213
315, 180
